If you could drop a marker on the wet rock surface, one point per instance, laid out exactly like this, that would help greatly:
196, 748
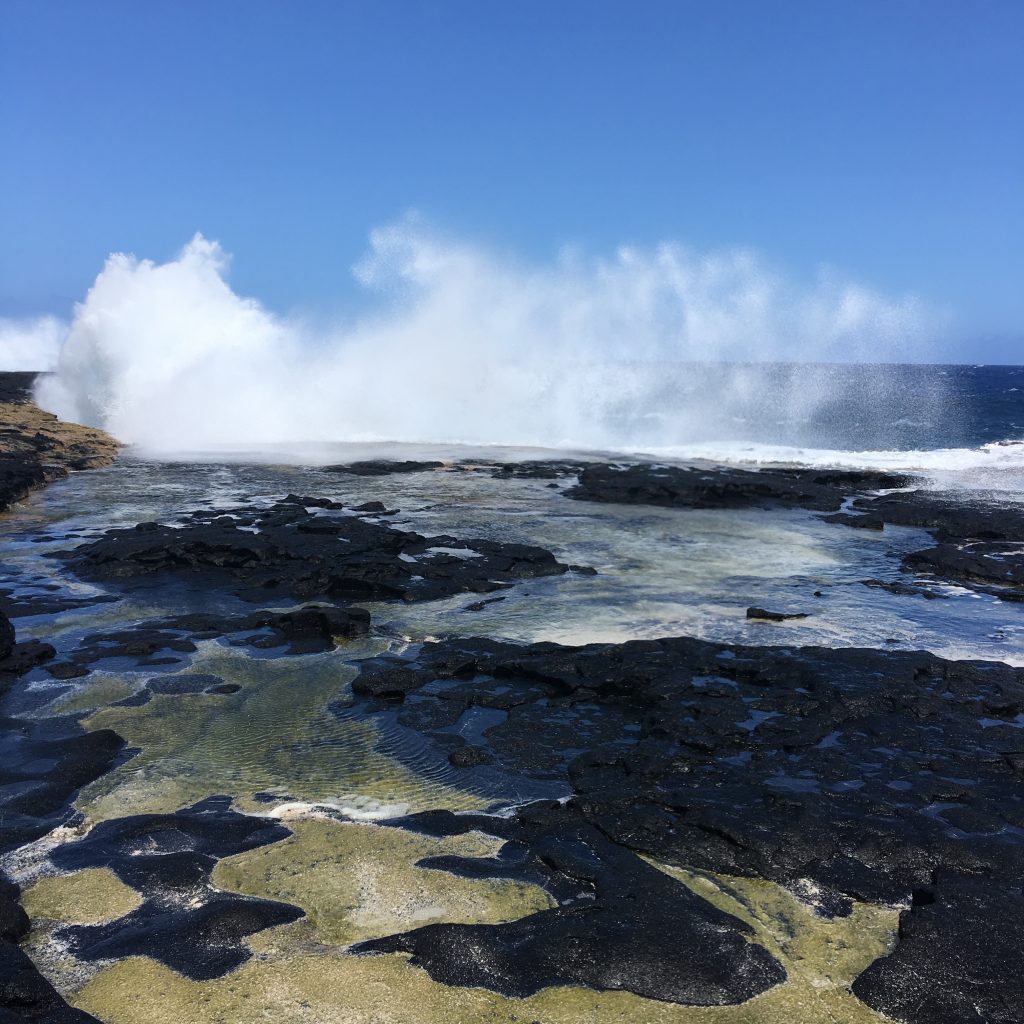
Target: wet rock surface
25, 995
954, 922
722, 487
184, 921
42, 765
383, 467
980, 542
905, 589
840, 774
768, 615
19, 478
42, 762
609, 931
539, 469
296, 549
6, 636
21, 603
169, 641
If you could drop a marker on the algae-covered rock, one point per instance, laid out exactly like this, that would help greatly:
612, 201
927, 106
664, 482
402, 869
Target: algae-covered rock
361, 881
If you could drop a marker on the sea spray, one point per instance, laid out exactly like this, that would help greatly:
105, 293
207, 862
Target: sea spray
30, 343
650, 347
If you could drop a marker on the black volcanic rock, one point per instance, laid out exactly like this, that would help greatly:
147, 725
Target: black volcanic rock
18, 658
25, 995
6, 636
20, 476
958, 958
44, 764
951, 516
905, 589
610, 934
722, 487
873, 775
383, 467
860, 521
766, 615
537, 469
980, 540
288, 551
305, 630
184, 922
26, 602
980, 561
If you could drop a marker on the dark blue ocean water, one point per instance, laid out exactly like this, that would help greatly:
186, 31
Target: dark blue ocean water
842, 407
924, 407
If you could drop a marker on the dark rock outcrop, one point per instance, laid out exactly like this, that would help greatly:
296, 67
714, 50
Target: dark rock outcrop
383, 467
723, 487
307, 630
289, 551
954, 922
766, 615
25, 995
6, 636
19, 478
609, 932
980, 540
184, 922
869, 774
42, 765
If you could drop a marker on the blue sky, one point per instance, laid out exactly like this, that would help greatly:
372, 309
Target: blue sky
884, 139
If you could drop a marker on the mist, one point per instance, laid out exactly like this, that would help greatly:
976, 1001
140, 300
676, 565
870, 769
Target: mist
30, 343
463, 344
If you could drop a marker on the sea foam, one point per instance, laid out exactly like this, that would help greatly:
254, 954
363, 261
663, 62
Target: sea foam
465, 345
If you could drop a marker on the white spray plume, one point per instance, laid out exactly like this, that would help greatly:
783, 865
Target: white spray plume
30, 344
466, 346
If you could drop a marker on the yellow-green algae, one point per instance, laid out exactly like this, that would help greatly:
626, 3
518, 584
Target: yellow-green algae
360, 881
89, 896
290, 979
274, 734
97, 690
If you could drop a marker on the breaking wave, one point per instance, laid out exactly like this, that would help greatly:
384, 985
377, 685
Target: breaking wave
650, 347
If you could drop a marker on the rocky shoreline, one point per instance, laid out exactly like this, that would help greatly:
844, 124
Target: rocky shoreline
36, 448
845, 777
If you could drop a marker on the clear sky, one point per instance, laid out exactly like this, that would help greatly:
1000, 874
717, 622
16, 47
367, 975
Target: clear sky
885, 139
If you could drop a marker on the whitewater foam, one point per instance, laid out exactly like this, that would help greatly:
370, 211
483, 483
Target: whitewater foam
468, 346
